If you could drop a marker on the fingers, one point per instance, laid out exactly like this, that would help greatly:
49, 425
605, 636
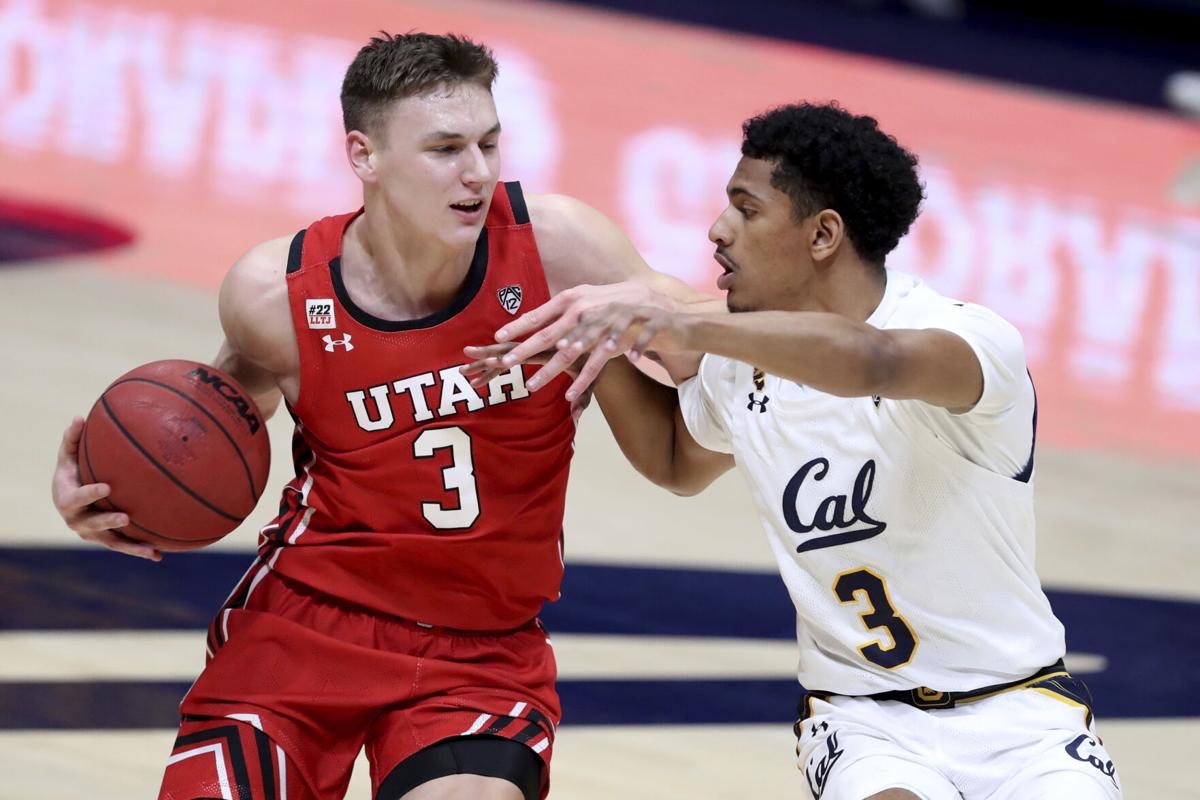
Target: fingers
130, 547
545, 339
530, 321
70, 498
591, 369
610, 326
649, 331
70, 440
486, 364
485, 351
484, 377
101, 527
561, 361
602, 334
64, 483
73, 502
99, 522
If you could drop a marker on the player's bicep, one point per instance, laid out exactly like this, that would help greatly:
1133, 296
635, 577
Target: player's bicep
259, 382
695, 466
932, 365
255, 316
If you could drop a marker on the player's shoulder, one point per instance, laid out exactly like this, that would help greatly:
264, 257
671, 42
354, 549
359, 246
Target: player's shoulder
263, 264
259, 276
579, 245
560, 223
556, 210
254, 308
717, 373
921, 306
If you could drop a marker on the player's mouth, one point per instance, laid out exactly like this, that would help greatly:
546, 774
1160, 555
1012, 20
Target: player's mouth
469, 211
725, 280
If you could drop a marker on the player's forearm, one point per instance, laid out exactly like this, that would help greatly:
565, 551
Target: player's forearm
641, 414
260, 384
825, 351
644, 418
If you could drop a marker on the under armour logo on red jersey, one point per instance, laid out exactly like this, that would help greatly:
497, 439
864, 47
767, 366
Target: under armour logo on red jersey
510, 298
331, 343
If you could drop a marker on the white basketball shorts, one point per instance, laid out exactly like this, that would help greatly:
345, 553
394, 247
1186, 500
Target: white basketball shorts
1021, 744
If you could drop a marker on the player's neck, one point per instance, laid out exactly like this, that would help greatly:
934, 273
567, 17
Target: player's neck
393, 272
849, 287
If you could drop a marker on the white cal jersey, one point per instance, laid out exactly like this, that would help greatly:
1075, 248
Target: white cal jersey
904, 533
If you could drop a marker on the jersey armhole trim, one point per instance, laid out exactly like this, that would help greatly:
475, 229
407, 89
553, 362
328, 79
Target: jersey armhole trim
294, 252
1027, 472
516, 201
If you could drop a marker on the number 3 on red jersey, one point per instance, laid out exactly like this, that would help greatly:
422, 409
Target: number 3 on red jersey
459, 477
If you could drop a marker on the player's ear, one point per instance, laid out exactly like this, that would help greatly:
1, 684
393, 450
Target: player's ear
360, 152
828, 231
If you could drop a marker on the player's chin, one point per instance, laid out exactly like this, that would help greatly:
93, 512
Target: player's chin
462, 234
738, 304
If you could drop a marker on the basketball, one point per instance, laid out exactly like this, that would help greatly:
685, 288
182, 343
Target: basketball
184, 450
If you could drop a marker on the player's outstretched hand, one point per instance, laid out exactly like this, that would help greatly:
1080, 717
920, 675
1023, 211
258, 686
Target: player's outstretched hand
73, 501
561, 324
486, 365
614, 329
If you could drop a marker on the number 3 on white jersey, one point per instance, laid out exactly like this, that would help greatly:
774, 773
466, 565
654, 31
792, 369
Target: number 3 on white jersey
459, 477
880, 615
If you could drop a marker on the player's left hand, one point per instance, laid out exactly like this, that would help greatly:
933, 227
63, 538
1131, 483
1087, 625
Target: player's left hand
565, 318
486, 364
609, 331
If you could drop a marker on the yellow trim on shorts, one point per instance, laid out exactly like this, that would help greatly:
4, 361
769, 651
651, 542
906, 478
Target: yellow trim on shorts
1029, 684
1087, 712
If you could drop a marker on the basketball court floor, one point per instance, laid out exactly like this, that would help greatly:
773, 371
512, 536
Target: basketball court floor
673, 635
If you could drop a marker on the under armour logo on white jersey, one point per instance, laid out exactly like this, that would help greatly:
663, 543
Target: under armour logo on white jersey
510, 298
760, 385
331, 343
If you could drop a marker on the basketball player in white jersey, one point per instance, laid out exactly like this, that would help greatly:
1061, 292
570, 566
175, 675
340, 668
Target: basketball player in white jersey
887, 435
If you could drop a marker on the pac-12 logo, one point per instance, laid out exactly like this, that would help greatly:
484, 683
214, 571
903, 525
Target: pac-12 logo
320, 313
510, 298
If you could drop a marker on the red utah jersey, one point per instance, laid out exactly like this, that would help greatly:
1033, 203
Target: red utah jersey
415, 494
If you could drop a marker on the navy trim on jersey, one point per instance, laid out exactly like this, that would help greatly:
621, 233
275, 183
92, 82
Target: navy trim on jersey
475, 276
297, 247
516, 199
1027, 471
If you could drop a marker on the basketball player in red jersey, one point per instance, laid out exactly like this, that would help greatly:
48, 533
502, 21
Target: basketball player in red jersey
393, 604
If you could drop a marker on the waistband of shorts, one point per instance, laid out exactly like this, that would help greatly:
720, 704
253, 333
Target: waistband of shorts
315, 595
925, 698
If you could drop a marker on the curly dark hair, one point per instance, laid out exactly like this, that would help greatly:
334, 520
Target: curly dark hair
391, 67
827, 157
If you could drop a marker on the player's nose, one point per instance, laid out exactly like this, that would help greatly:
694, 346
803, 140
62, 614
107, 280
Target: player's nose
720, 233
476, 169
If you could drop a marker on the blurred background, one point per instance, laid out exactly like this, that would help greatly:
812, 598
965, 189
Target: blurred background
145, 145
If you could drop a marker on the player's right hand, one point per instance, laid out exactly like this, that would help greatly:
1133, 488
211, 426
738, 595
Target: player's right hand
74, 500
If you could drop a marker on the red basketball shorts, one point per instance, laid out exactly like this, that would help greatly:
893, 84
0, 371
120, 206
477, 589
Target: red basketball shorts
301, 683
